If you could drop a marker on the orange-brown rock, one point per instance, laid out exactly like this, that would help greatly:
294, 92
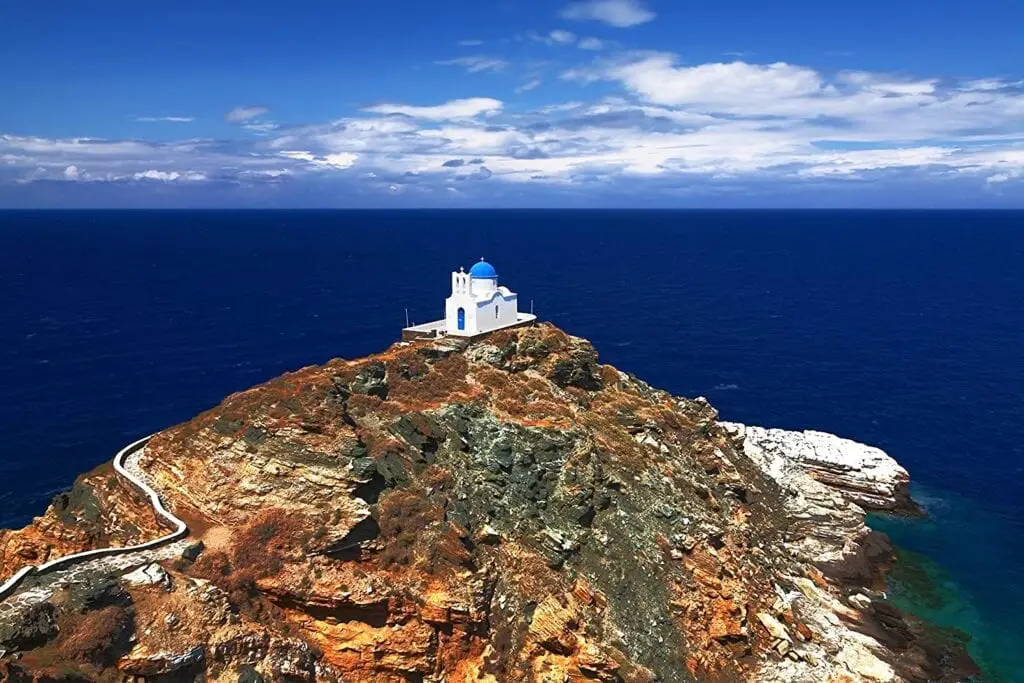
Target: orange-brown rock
102, 510
502, 510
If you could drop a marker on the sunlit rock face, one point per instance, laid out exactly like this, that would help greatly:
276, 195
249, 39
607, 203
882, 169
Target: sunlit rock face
502, 510
865, 475
829, 482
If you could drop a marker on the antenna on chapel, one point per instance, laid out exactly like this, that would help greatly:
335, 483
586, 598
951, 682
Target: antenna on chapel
407, 317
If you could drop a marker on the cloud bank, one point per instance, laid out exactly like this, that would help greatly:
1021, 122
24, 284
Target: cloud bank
631, 120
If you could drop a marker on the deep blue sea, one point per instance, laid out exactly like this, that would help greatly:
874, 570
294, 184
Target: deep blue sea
899, 329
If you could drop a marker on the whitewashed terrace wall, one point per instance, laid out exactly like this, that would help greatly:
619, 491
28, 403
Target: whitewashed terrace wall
180, 529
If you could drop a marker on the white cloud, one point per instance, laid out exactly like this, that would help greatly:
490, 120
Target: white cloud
476, 63
339, 160
78, 148
728, 121
989, 84
529, 85
714, 86
243, 114
106, 160
471, 42
1005, 176
886, 86
559, 108
169, 176
620, 13
269, 173
855, 162
562, 37
856, 107
455, 109
264, 127
298, 154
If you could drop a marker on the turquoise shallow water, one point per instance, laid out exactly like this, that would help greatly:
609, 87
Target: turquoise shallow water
958, 568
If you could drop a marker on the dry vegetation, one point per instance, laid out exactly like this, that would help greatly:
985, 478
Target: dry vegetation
94, 636
87, 648
259, 550
528, 400
403, 516
445, 378
416, 534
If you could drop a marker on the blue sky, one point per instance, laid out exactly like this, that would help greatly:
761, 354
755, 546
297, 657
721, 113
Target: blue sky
649, 103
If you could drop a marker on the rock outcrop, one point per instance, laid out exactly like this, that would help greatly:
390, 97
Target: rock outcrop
829, 482
863, 474
503, 510
101, 510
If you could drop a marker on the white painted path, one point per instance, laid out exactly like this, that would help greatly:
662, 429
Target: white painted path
64, 571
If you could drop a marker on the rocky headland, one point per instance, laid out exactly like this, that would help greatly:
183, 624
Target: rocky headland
502, 510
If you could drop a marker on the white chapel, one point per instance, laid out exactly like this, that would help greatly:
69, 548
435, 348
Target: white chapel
477, 305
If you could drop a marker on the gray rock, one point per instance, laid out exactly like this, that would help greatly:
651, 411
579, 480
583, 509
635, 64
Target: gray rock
148, 575
95, 591
28, 628
193, 550
372, 381
579, 370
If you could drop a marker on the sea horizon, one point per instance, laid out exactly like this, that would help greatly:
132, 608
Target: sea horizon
508, 209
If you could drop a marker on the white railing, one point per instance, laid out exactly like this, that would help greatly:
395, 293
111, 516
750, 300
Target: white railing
180, 529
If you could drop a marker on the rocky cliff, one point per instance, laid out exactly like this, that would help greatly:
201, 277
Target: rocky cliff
506, 510
102, 510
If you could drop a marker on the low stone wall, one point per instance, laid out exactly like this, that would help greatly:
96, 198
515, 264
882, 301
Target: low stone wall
180, 529
410, 334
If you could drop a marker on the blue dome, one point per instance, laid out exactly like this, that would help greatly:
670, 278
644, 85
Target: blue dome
482, 270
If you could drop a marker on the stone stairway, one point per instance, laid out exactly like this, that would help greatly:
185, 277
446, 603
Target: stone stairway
38, 584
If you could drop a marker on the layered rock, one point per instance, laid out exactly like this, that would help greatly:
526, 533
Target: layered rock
863, 474
828, 483
827, 480
504, 510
